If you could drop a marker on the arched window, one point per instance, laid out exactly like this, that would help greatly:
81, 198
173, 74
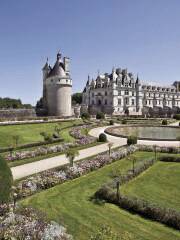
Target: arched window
99, 102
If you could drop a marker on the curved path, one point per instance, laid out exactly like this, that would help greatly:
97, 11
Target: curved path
45, 164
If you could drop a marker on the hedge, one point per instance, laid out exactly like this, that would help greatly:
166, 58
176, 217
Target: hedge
131, 140
5, 181
167, 216
170, 159
100, 115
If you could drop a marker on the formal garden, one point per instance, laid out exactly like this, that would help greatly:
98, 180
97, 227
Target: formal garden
105, 196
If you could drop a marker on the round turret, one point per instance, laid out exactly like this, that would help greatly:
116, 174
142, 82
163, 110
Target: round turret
59, 90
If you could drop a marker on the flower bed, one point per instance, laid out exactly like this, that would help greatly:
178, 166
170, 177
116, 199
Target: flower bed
40, 151
26, 223
51, 178
82, 139
150, 148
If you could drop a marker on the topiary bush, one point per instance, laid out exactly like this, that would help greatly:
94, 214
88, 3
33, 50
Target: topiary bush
164, 122
85, 115
124, 121
102, 137
177, 116
100, 115
111, 122
5, 181
131, 140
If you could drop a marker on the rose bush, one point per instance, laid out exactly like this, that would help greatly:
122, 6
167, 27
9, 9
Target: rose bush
82, 139
40, 151
51, 178
26, 223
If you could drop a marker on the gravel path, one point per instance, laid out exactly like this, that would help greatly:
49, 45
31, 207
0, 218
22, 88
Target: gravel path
45, 164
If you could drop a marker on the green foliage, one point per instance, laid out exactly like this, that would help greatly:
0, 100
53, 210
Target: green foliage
5, 181
124, 121
85, 115
13, 103
55, 135
71, 153
170, 158
164, 122
16, 139
102, 137
177, 116
47, 137
106, 233
111, 122
100, 115
131, 140
77, 98
71, 202
39, 103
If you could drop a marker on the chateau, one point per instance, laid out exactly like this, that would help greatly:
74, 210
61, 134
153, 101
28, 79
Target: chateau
120, 93
57, 88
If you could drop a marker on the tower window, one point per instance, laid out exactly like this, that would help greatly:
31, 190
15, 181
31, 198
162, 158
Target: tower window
132, 101
105, 93
105, 102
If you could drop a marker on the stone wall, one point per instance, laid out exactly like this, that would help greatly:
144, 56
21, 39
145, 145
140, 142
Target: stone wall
17, 113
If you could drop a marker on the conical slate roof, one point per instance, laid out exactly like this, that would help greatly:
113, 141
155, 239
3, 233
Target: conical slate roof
57, 70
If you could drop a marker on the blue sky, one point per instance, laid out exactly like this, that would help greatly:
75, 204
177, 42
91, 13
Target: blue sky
142, 35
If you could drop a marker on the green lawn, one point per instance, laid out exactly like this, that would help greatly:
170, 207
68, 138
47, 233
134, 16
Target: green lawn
70, 204
159, 184
30, 133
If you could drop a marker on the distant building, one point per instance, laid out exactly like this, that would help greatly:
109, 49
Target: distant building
57, 88
120, 93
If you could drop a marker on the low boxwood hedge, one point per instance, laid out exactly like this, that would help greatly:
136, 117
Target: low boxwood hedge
5, 181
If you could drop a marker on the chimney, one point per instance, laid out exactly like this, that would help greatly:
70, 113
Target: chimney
66, 64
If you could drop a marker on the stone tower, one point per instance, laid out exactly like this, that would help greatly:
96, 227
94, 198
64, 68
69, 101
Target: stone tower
57, 88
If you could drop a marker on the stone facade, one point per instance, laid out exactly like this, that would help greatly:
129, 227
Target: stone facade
17, 113
120, 93
57, 88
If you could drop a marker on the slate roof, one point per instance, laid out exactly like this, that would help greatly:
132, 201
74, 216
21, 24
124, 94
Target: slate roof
57, 70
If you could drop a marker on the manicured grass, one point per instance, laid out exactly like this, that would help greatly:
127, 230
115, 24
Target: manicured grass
159, 184
49, 155
30, 133
70, 204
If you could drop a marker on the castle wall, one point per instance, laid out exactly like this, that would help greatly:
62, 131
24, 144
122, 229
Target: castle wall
59, 91
63, 100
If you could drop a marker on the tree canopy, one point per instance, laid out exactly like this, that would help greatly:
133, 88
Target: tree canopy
6, 103
77, 98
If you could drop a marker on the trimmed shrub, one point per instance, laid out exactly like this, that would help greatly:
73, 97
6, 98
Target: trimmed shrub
169, 159
100, 115
177, 116
124, 121
102, 137
5, 181
131, 140
85, 115
111, 122
164, 122
55, 135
